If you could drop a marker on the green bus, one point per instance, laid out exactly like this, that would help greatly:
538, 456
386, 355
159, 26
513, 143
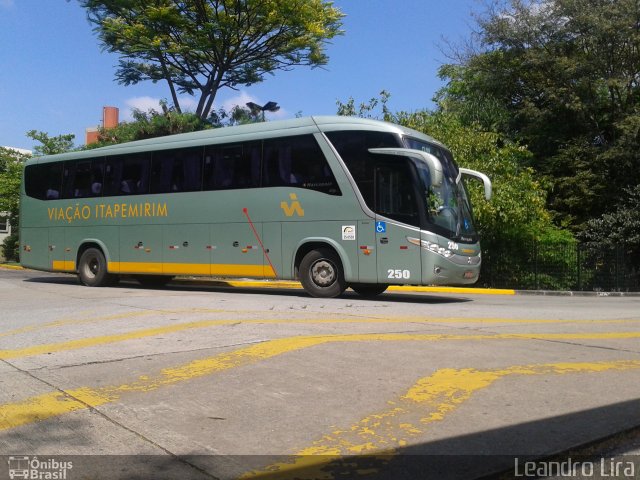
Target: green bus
334, 202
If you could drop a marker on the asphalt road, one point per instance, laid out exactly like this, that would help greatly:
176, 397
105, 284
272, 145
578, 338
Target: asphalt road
198, 380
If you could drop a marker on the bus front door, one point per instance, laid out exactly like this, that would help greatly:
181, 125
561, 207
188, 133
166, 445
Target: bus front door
396, 209
398, 260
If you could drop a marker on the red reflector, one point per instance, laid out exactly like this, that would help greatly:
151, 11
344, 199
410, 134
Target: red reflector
404, 247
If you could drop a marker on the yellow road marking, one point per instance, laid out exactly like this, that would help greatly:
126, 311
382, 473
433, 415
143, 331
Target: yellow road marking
106, 339
118, 316
57, 403
380, 435
150, 332
349, 319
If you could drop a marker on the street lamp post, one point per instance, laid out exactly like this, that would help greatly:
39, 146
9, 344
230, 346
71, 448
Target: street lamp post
258, 111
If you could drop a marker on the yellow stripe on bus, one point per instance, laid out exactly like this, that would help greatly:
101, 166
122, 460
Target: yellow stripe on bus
63, 266
232, 270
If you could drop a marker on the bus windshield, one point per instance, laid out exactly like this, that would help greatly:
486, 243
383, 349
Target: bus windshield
447, 206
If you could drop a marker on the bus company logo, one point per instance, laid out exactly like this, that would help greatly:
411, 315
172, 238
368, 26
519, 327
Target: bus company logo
293, 208
36, 469
348, 232
77, 212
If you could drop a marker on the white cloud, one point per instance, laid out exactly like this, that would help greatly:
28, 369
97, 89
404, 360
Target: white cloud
187, 104
143, 103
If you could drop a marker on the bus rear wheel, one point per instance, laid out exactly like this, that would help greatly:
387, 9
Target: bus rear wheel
321, 274
369, 290
92, 269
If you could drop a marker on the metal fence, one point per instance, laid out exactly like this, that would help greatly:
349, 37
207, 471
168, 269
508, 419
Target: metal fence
535, 265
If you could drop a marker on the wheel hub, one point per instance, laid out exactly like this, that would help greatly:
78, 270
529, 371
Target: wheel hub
323, 273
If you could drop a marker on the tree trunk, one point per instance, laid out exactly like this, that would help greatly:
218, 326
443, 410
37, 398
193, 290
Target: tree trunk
174, 95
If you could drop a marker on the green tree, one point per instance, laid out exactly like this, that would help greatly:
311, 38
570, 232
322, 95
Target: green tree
169, 121
51, 145
561, 78
620, 226
151, 124
516, 218
201, 46
11, 165
517, 209
368, 109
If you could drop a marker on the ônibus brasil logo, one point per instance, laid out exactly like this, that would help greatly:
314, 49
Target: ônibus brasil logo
38, 469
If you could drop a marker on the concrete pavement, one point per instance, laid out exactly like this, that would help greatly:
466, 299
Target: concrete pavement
215, 381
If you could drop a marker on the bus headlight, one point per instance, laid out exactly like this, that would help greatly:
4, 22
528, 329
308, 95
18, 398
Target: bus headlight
432, 247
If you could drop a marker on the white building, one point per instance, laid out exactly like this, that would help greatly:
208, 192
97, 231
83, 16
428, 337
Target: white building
5, 228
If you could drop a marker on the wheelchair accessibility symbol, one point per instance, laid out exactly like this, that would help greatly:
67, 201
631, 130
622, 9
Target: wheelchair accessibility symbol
381, 227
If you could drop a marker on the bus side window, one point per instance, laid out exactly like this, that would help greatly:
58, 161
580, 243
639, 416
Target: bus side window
68, 179
43, 181
79, 181
178, 170
191, 171
218, 167
353, 147
127, 174
297, 161
246, 166
97, 177
232, 166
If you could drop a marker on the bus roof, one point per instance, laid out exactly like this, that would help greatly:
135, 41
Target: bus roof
254, 131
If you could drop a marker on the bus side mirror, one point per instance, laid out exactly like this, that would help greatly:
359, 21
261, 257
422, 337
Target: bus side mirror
480, 176
435, 167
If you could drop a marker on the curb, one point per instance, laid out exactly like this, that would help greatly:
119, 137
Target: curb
298, 286
11, 267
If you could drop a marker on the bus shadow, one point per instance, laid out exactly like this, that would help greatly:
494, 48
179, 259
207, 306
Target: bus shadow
228, 287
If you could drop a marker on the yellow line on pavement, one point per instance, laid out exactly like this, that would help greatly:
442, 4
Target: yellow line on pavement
150, 332
379, 435
53, 404
138, 334
117, 316
107, 339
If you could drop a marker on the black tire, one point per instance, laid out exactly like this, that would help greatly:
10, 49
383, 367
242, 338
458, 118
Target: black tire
369, 290
153, 280
92, 269
321, 274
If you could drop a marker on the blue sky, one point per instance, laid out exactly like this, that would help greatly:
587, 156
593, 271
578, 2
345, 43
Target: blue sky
56, 79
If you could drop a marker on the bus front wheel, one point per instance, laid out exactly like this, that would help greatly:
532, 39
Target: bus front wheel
92, 269
321, 274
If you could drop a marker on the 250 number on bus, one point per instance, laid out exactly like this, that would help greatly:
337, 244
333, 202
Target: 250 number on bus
397, 273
